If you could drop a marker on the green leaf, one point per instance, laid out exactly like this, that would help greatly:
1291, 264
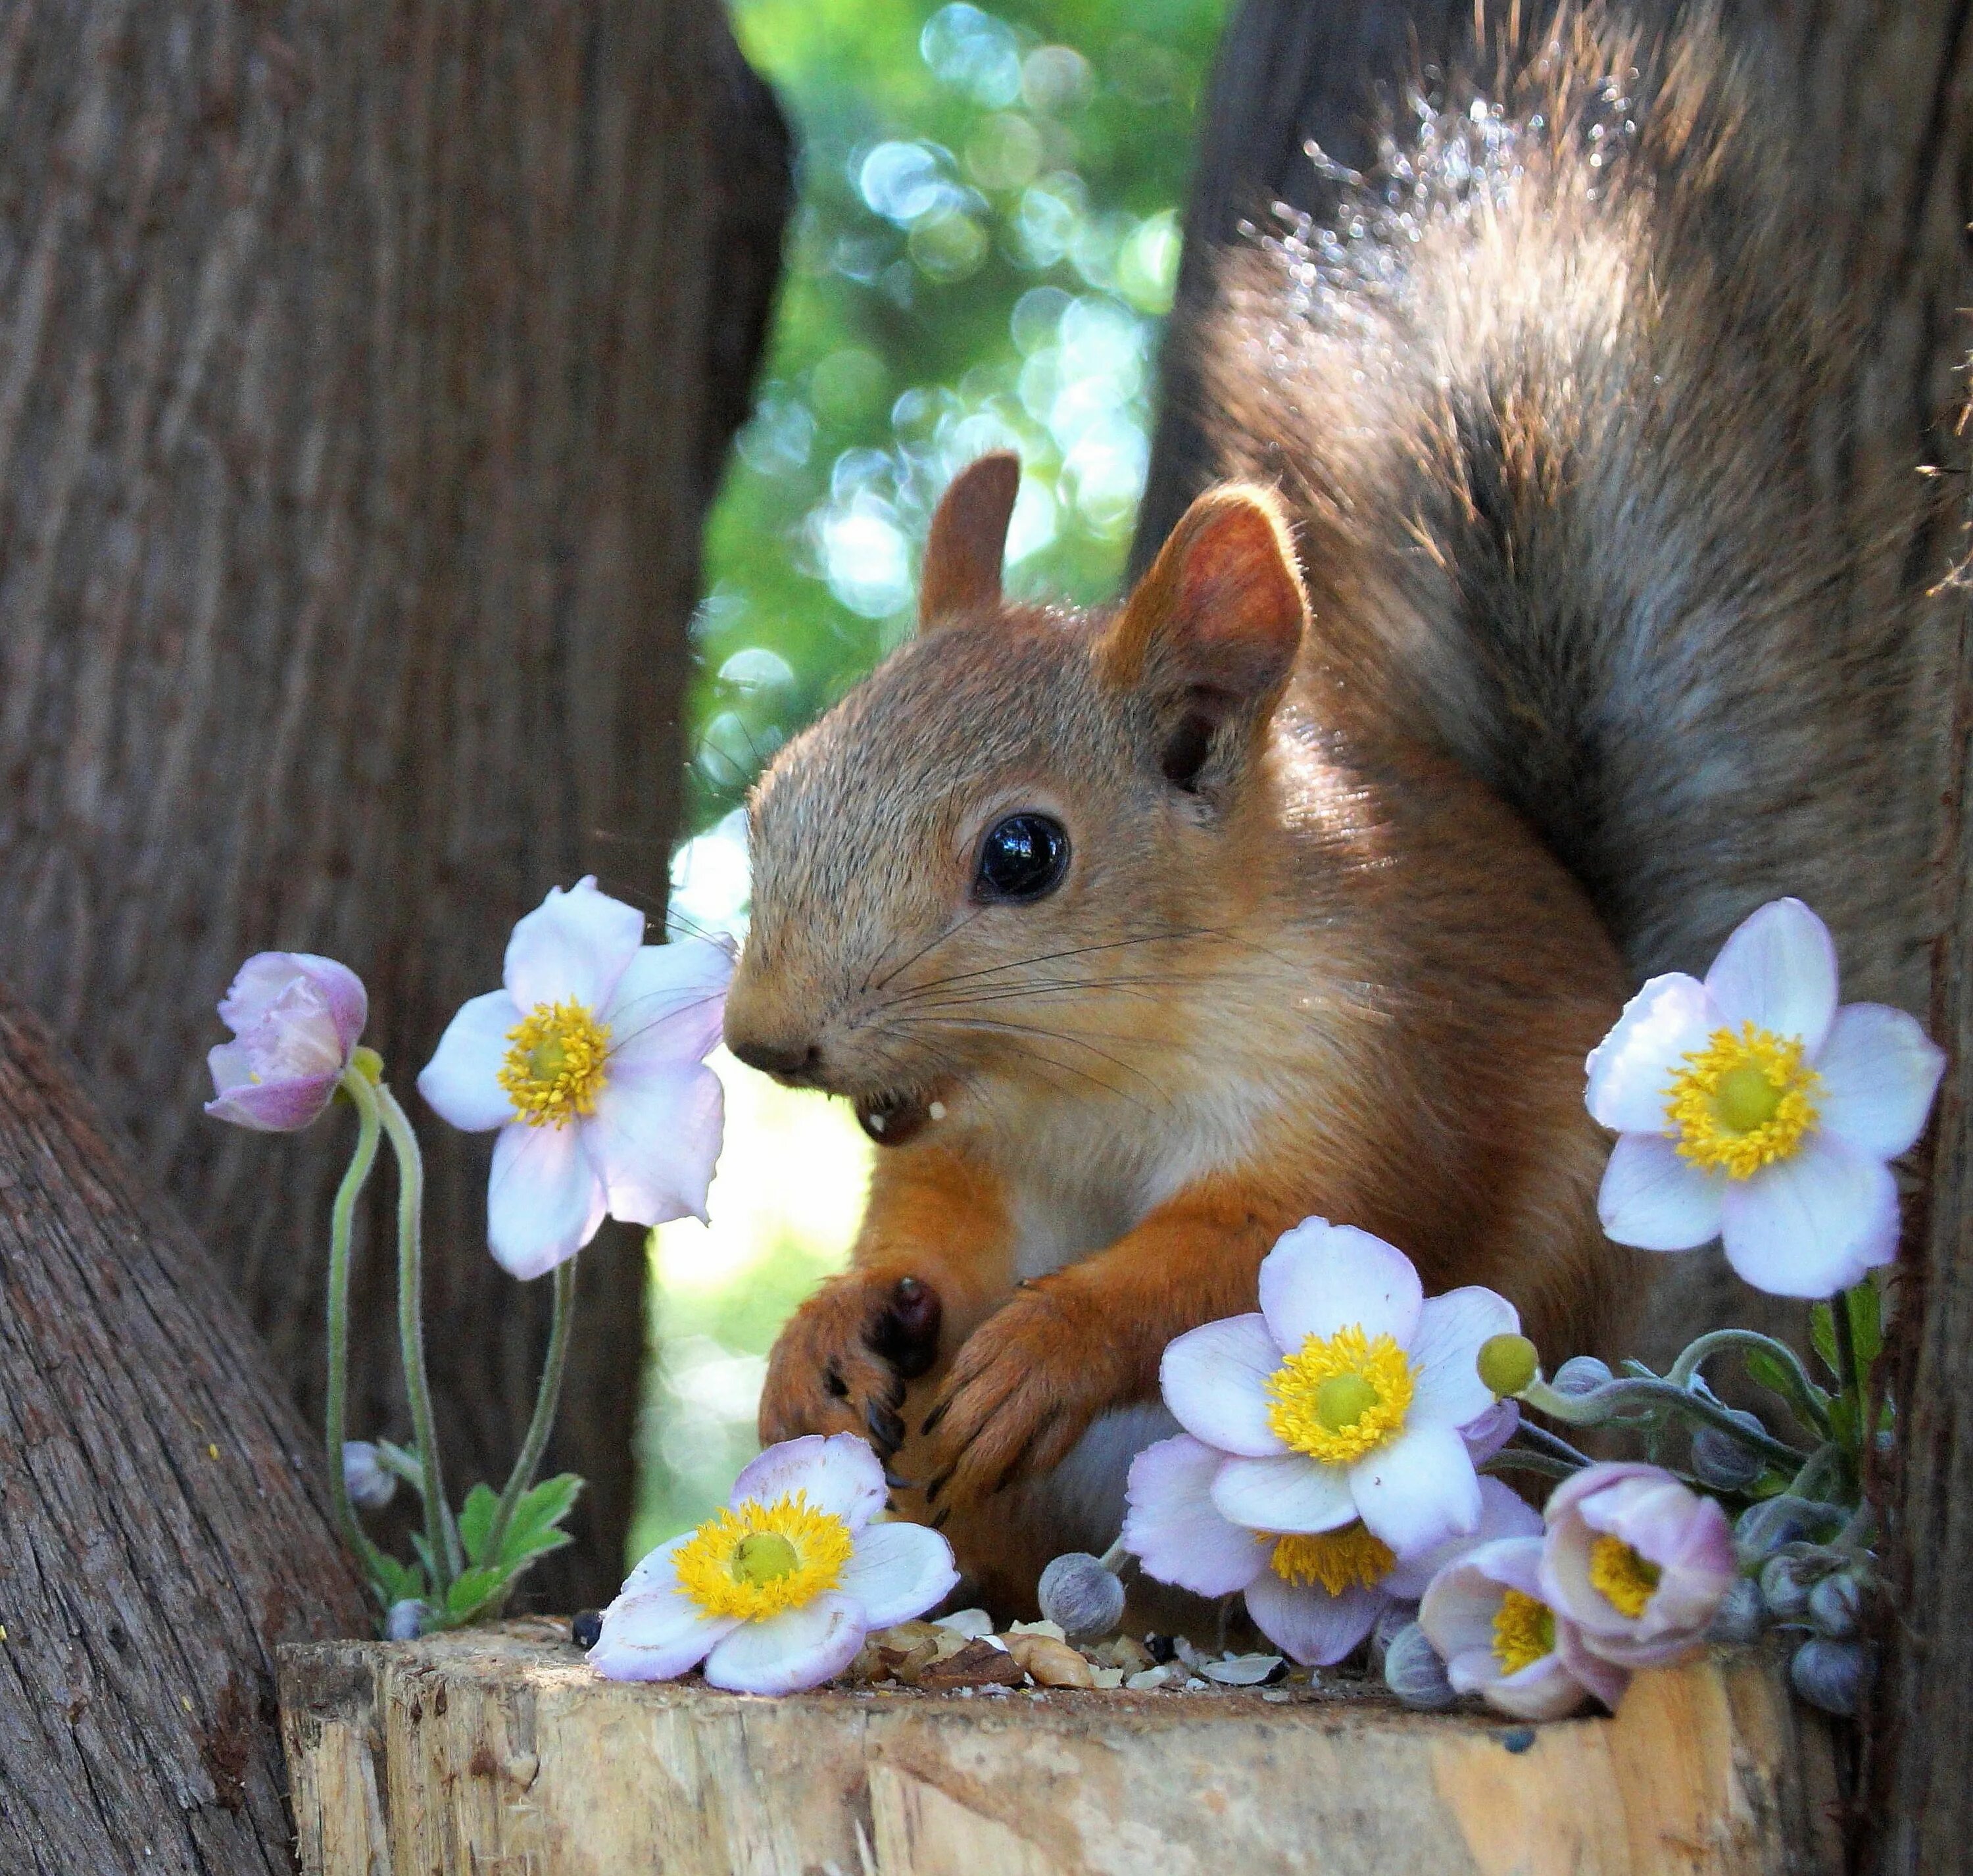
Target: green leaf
473, 1590
1866, 1324
476, 1521
1822, 1334
1765, 1371
397, 1582
541, 1510
425, 1556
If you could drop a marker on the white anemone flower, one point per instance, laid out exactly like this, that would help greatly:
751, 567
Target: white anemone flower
1345, 1395
1315, 1595
591, 1063
1751, 1109
776, 1592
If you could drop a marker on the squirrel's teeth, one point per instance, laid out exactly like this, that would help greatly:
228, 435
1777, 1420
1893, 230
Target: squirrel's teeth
892, 1119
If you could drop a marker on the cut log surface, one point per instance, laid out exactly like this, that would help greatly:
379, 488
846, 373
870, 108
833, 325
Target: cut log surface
504, 1751
163, 1520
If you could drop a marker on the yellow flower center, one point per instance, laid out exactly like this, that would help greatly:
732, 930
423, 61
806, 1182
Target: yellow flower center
555, 1065
1338, 1560
1340, 1395
1625, 1579
1523, 1631
763, 1559
1743, 1101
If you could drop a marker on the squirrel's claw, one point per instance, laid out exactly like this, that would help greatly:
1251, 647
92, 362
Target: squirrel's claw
841, 1363
1022, 1391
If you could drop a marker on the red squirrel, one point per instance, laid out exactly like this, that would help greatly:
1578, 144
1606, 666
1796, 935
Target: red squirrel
1499, 671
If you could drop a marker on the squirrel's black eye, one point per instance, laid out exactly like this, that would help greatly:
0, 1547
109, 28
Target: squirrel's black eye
1022, 857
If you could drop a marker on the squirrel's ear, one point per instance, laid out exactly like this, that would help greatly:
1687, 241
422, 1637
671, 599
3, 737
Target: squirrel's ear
968, 538
1215, 626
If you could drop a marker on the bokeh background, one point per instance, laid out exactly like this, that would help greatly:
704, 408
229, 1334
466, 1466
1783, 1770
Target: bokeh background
984, 254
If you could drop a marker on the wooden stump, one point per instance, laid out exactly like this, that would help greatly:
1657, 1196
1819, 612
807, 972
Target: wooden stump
503, 1751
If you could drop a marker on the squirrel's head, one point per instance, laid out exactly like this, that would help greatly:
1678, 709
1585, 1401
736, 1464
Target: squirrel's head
999, 858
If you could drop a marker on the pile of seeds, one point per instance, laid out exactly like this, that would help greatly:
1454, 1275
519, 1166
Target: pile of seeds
961, 1653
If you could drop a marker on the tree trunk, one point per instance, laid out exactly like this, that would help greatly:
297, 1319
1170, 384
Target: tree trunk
162, 1519
1883, 90
367, 370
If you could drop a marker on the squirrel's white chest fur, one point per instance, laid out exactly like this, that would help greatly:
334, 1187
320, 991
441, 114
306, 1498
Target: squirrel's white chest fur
1080, 1173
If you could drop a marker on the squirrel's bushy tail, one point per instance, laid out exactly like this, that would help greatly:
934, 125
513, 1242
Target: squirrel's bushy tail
1557, 404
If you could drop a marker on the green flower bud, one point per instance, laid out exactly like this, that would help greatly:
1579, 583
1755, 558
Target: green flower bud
1508, 1364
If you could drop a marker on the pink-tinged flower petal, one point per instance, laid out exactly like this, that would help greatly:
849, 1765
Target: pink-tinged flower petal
282, 1107
1504, 1515
1543, 1690
1656, 1200
1321, 1278
1685, 1535
1492, 1430
667, 1005
1288, 1493
461, 1083
1879, 1071
1309, 1625
262, 980
1778, 971
1447, 1390
655, 1636
1417, 1489
1214, 1381
654, 1140
657, 1569
896, 1572
544, 1200
1605, 1679
839, 1474
800, 1648
1175, 1530
1813, 1223
1630, 1070
572, 948
1459, 1605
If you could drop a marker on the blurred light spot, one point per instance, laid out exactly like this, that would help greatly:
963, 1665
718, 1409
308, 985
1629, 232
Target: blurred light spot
755, 670
1147, 263
1145, 73
902, 182
864, 559
1056, 78
730, 755
948, 247
777, 436
1005, 152
1036, 315
1050, 216
710, 886
848, 383
973, 52
1033, 525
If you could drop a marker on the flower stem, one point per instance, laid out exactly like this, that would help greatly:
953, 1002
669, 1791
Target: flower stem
1602, 1405
335, 1412
441, 1534
547, 1398
1803, 1395
1851, 1380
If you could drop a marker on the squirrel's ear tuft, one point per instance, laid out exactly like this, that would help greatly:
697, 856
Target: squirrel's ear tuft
1217, 621
968, 540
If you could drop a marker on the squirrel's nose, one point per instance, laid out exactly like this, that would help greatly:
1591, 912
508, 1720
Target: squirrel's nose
776, 1055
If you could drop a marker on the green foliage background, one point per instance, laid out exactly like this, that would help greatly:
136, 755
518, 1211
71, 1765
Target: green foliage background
986, 243
985, 239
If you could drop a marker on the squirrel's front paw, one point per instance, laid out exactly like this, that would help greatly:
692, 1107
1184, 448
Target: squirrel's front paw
1022, 1392
841, 1363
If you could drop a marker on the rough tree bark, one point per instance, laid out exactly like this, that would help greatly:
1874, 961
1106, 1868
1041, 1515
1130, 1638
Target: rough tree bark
366, 369
162, 1522
1884, 89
